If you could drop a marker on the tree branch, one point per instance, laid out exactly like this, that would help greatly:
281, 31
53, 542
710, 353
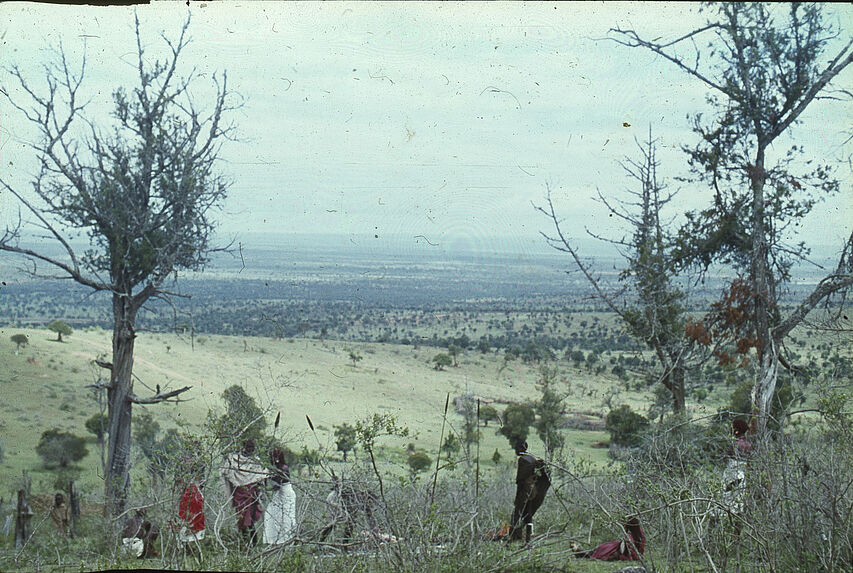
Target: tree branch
157, 398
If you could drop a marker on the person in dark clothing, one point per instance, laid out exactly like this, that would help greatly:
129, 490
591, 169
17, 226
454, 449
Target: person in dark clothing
532, 483
619, 550
139, 535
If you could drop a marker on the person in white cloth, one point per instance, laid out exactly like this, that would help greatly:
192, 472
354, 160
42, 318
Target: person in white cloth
242, 476
280, 514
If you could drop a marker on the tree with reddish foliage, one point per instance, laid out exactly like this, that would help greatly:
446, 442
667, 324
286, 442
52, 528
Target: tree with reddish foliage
764, 66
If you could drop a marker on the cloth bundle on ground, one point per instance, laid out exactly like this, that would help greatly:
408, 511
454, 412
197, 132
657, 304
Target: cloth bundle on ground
620, 550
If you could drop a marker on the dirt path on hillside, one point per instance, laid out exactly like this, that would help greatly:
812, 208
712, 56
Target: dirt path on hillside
136, 360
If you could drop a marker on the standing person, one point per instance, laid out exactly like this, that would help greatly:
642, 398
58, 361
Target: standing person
735, 472
59, 515
280, 514
532, 483
242, 476
191, 509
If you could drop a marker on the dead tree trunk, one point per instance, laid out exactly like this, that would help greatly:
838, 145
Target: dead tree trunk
119, 402
74, 507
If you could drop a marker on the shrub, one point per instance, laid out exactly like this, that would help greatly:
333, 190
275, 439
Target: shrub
97, 425
345, 438
442, 360
60, 328
488, 413
625, 426
19, 340
61, 448
419, 461
517, 421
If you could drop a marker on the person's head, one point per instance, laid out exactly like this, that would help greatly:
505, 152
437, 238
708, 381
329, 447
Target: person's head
277, 457
58, 499
739, 427
632, 526
520, 447
249, 447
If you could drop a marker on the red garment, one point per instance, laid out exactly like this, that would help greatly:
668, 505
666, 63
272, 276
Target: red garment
620, 550
191, 508
247, 502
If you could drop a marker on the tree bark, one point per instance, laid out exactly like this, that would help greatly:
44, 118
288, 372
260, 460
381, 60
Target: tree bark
765, 383
118, 398
22, 520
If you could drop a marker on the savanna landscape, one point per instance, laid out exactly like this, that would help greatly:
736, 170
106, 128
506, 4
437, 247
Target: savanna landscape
678, 368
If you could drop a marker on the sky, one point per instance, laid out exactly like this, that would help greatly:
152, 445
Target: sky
428, 124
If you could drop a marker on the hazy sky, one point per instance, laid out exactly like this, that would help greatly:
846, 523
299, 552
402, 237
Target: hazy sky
402, 119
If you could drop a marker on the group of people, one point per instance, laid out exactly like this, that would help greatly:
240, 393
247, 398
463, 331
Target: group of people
243, 478
532, 482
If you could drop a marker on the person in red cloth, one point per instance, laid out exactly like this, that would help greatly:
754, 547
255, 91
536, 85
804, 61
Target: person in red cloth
191, 510
624, 550
242, 476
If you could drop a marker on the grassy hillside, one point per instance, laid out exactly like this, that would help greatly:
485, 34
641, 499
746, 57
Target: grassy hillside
44, 386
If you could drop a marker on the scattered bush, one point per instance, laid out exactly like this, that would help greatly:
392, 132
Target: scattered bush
625, 426
60, 328
58, 448
419, 461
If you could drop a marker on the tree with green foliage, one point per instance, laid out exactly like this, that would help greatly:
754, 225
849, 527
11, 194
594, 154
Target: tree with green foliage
60, 328
442, 360
652, 307
20, 340
483, 346
243, 418
488, 413
625, 426
418, 462
97, 425
367, 431
451, 446
141, 183
454, 351
764, 65
59, 448
145, 432
345, 438
551, 409
355, 358
517, 420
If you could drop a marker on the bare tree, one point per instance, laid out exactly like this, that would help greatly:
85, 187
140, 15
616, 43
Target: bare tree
143, 188
649, 304
764, 66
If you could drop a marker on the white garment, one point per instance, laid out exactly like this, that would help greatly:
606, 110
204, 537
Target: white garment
134, 545
187, 535
280, 516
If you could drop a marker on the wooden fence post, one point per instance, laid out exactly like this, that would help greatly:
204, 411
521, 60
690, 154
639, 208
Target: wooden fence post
22, 520
74, 507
